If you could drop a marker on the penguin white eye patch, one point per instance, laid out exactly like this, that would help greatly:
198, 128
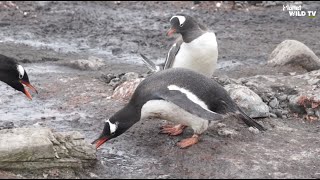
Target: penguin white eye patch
113, 127
181, 19
21, 71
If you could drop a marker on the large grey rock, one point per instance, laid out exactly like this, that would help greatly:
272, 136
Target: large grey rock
248, 100
35, 148
294, 53
92, 63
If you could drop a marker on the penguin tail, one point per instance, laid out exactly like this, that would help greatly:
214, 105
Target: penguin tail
249, 121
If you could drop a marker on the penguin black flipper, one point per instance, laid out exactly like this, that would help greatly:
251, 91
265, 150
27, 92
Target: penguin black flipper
231, 106
172, 53
186, 104
249, 121
151, 65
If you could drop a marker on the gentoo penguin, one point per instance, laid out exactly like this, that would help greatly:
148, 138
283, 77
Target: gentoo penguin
180, 95
196, 49
14, 75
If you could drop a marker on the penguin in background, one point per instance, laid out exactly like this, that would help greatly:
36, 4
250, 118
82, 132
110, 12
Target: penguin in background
195, 49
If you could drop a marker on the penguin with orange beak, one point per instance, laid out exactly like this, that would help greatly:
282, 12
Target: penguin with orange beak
15, 75
180, 95
195, 49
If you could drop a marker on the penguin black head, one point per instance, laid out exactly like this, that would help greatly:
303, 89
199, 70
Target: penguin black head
118, 124
15, 75
183, 23
109, 132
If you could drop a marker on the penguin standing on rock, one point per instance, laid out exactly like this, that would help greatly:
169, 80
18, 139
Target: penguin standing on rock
180, 95
15, 75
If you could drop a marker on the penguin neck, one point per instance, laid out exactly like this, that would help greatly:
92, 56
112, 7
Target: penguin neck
191, 35
6, 78
127, 116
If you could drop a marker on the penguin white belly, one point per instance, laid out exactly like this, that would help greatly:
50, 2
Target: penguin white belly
169, 111
200, 55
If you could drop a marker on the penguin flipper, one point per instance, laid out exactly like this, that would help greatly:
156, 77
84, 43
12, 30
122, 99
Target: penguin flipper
153, 67
239, 113
185, 103
249, 121
172, 54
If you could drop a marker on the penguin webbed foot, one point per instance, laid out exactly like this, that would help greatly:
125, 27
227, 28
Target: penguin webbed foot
172, 130
185, 143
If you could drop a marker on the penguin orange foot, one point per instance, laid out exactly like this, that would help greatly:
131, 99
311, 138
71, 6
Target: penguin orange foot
172, 130
189, 141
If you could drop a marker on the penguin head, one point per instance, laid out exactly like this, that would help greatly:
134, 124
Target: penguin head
181, 24
118, 124
110, 131
16, 77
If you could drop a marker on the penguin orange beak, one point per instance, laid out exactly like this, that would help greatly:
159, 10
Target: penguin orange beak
100, 141
26, 92
171, 31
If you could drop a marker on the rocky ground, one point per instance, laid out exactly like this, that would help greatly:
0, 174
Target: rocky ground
46, 37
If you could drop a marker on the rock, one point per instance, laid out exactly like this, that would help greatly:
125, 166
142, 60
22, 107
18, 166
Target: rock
223, 80
36, 148
278, 114
282, 97
221, 125
254, 130
107, 78
317, 113
129, 76
310, 111
114, 82
7, 125
92, 63
274, 103
305, 104
273, 115
125, 90
294, 53
116, 51
226, 132
295, 106
248, 100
